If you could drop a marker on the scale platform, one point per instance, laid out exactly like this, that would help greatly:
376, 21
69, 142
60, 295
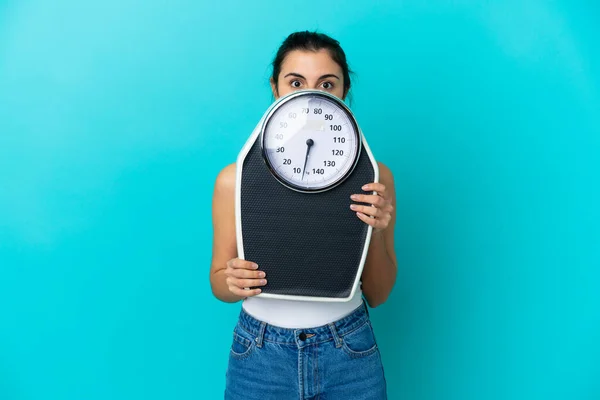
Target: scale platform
311, 246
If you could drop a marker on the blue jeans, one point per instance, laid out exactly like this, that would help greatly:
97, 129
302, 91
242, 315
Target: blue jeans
338, 361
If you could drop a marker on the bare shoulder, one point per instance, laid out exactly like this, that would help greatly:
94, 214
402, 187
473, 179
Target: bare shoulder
385, 174
225, 181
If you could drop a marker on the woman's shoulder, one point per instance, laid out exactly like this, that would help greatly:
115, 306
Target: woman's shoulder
226, 179
385, 174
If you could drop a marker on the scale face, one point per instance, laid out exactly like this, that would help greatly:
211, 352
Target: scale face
310, 141
294, 178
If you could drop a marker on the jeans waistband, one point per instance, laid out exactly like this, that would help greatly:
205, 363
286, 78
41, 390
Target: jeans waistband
332, 331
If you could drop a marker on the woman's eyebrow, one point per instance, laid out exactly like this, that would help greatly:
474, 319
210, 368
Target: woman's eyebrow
322, 77
295, 74
329, 76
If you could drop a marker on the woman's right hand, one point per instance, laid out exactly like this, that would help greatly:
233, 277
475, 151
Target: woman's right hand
242, 275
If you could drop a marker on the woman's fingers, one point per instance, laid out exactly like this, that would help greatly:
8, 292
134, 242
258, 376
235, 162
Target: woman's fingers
374, 187
239, 263
241, 287
374, 199
241, 275
245, 273
373, 211
368, 210
374, 222
243, 269
245, 283
244, 292
378, 213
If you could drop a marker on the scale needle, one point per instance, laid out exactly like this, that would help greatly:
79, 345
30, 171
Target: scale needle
309, 143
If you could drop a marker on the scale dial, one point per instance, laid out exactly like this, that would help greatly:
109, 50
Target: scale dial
310, 141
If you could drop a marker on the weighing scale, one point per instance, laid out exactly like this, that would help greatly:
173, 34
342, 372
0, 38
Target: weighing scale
294, 178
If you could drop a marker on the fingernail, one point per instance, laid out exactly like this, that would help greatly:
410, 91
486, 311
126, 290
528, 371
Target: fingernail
354, 197
365, 187
261, 275
254, 266
263, 281
353, 206
258, 290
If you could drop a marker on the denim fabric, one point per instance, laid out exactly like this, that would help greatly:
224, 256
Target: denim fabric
338, 361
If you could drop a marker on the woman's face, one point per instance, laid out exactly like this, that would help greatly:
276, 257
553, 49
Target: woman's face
309, 70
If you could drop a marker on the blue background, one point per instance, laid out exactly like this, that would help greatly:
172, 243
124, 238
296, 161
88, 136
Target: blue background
116, 116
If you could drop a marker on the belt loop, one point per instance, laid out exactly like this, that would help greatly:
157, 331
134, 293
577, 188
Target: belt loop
336, 337
261, 334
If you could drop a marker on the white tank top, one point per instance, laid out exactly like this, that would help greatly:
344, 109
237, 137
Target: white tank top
300, 314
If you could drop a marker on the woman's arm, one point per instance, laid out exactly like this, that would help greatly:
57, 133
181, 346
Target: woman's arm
230, 277
224, 247
379, 272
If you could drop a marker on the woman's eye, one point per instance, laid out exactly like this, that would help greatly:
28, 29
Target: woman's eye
296, 84
327, 85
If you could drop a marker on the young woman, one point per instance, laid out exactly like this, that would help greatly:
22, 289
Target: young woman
285, 349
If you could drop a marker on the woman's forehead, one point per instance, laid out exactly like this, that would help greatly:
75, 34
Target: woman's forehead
310, 63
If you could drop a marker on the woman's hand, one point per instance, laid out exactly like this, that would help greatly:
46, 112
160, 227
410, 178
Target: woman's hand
241, 275
379, 214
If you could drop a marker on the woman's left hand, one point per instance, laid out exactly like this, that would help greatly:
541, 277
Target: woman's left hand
379, 214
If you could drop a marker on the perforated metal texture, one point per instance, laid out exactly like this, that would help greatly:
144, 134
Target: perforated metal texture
308, 244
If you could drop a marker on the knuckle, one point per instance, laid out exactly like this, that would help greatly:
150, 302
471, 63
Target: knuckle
236, 273
238, 283
247, 283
